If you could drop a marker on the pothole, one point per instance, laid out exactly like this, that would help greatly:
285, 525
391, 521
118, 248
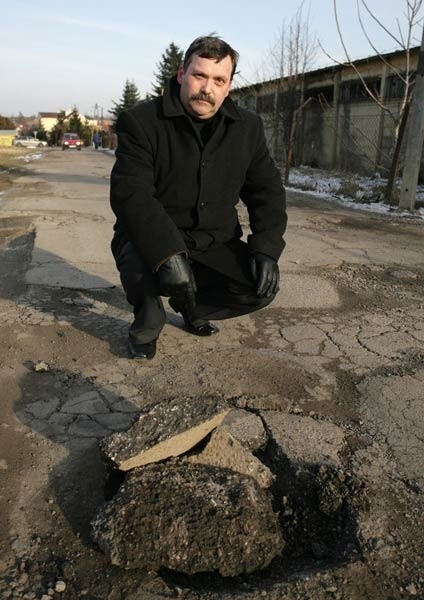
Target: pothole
258, 487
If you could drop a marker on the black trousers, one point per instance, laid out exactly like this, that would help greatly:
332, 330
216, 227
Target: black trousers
218, 296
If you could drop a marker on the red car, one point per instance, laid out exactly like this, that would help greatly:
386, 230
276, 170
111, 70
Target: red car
71, 140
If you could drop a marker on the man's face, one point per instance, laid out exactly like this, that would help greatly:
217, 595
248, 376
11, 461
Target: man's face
204, 85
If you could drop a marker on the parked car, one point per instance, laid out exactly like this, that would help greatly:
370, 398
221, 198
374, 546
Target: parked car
71, 140
29, 142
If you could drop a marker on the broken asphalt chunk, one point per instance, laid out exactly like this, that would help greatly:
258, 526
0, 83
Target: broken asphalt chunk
230, 447
304, 440
190, 518
169, 428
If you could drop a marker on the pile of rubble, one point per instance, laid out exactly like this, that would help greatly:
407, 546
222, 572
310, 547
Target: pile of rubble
211, 487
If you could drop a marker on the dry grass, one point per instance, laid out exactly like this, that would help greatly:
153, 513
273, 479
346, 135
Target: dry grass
9, 156
10, 166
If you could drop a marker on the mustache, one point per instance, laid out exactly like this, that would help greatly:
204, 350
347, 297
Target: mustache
204, 97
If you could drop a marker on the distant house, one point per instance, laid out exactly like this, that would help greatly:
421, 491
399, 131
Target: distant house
7, 136
49, 119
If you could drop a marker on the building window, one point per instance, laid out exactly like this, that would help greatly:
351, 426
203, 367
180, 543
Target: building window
395, 87
265, 104
354, 91
323, 95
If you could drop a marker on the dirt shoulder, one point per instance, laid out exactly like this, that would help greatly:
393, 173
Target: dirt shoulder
342, 344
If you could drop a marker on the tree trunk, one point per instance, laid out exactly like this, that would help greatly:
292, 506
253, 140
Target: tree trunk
396, 155
292, 139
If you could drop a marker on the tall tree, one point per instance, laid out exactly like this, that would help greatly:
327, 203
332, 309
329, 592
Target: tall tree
75, 124
292, 54
41, 132
130, 97
59, 128
402, 35
86, 132
171, 59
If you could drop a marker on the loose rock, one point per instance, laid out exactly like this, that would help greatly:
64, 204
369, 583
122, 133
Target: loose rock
223, 450
247, 428
189, 518
60, 586
41, 367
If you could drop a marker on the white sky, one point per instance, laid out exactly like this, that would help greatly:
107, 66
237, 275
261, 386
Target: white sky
57, 54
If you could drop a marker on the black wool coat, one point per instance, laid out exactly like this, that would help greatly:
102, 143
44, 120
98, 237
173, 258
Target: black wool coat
171, 193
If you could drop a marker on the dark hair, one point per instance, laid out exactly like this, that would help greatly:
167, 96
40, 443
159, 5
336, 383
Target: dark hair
211, 46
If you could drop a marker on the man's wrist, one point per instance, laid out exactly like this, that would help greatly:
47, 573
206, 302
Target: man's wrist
162, 262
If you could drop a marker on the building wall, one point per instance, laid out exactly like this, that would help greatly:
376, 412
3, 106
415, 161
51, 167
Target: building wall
48, 123
340, 127
7, 136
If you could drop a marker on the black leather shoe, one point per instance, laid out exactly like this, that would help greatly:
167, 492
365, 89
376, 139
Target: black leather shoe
146, 351
203, 329
206, 328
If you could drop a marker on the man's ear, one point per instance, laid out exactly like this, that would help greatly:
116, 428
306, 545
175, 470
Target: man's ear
180, 74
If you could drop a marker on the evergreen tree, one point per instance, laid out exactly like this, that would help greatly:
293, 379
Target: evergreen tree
75, 124
41, 132
172, 58
59, 128
130, 97
87, 133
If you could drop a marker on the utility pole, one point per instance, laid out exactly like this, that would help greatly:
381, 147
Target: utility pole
415, 139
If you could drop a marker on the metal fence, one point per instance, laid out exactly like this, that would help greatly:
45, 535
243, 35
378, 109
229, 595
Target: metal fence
354, 138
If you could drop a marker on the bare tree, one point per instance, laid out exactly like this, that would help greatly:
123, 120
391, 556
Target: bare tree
282, 70
403, 38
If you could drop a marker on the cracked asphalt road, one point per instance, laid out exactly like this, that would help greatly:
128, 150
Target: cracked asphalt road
343, 343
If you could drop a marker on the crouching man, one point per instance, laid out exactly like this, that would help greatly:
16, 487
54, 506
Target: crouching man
183, 162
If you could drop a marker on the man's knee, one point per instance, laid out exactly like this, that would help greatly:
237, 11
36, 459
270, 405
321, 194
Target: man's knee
263, 302
248, 297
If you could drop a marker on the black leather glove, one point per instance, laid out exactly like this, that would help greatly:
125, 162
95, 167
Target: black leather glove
266, 274
176, 278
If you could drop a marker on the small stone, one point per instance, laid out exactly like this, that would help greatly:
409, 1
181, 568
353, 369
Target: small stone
60, 586
23, 579
41, 367
411, 589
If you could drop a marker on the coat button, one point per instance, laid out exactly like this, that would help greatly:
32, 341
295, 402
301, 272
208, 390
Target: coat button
204, 163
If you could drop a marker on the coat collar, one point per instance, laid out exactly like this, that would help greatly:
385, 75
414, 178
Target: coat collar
172, 106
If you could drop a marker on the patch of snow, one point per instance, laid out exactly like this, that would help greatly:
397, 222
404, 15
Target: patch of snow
355, 191
29, 157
